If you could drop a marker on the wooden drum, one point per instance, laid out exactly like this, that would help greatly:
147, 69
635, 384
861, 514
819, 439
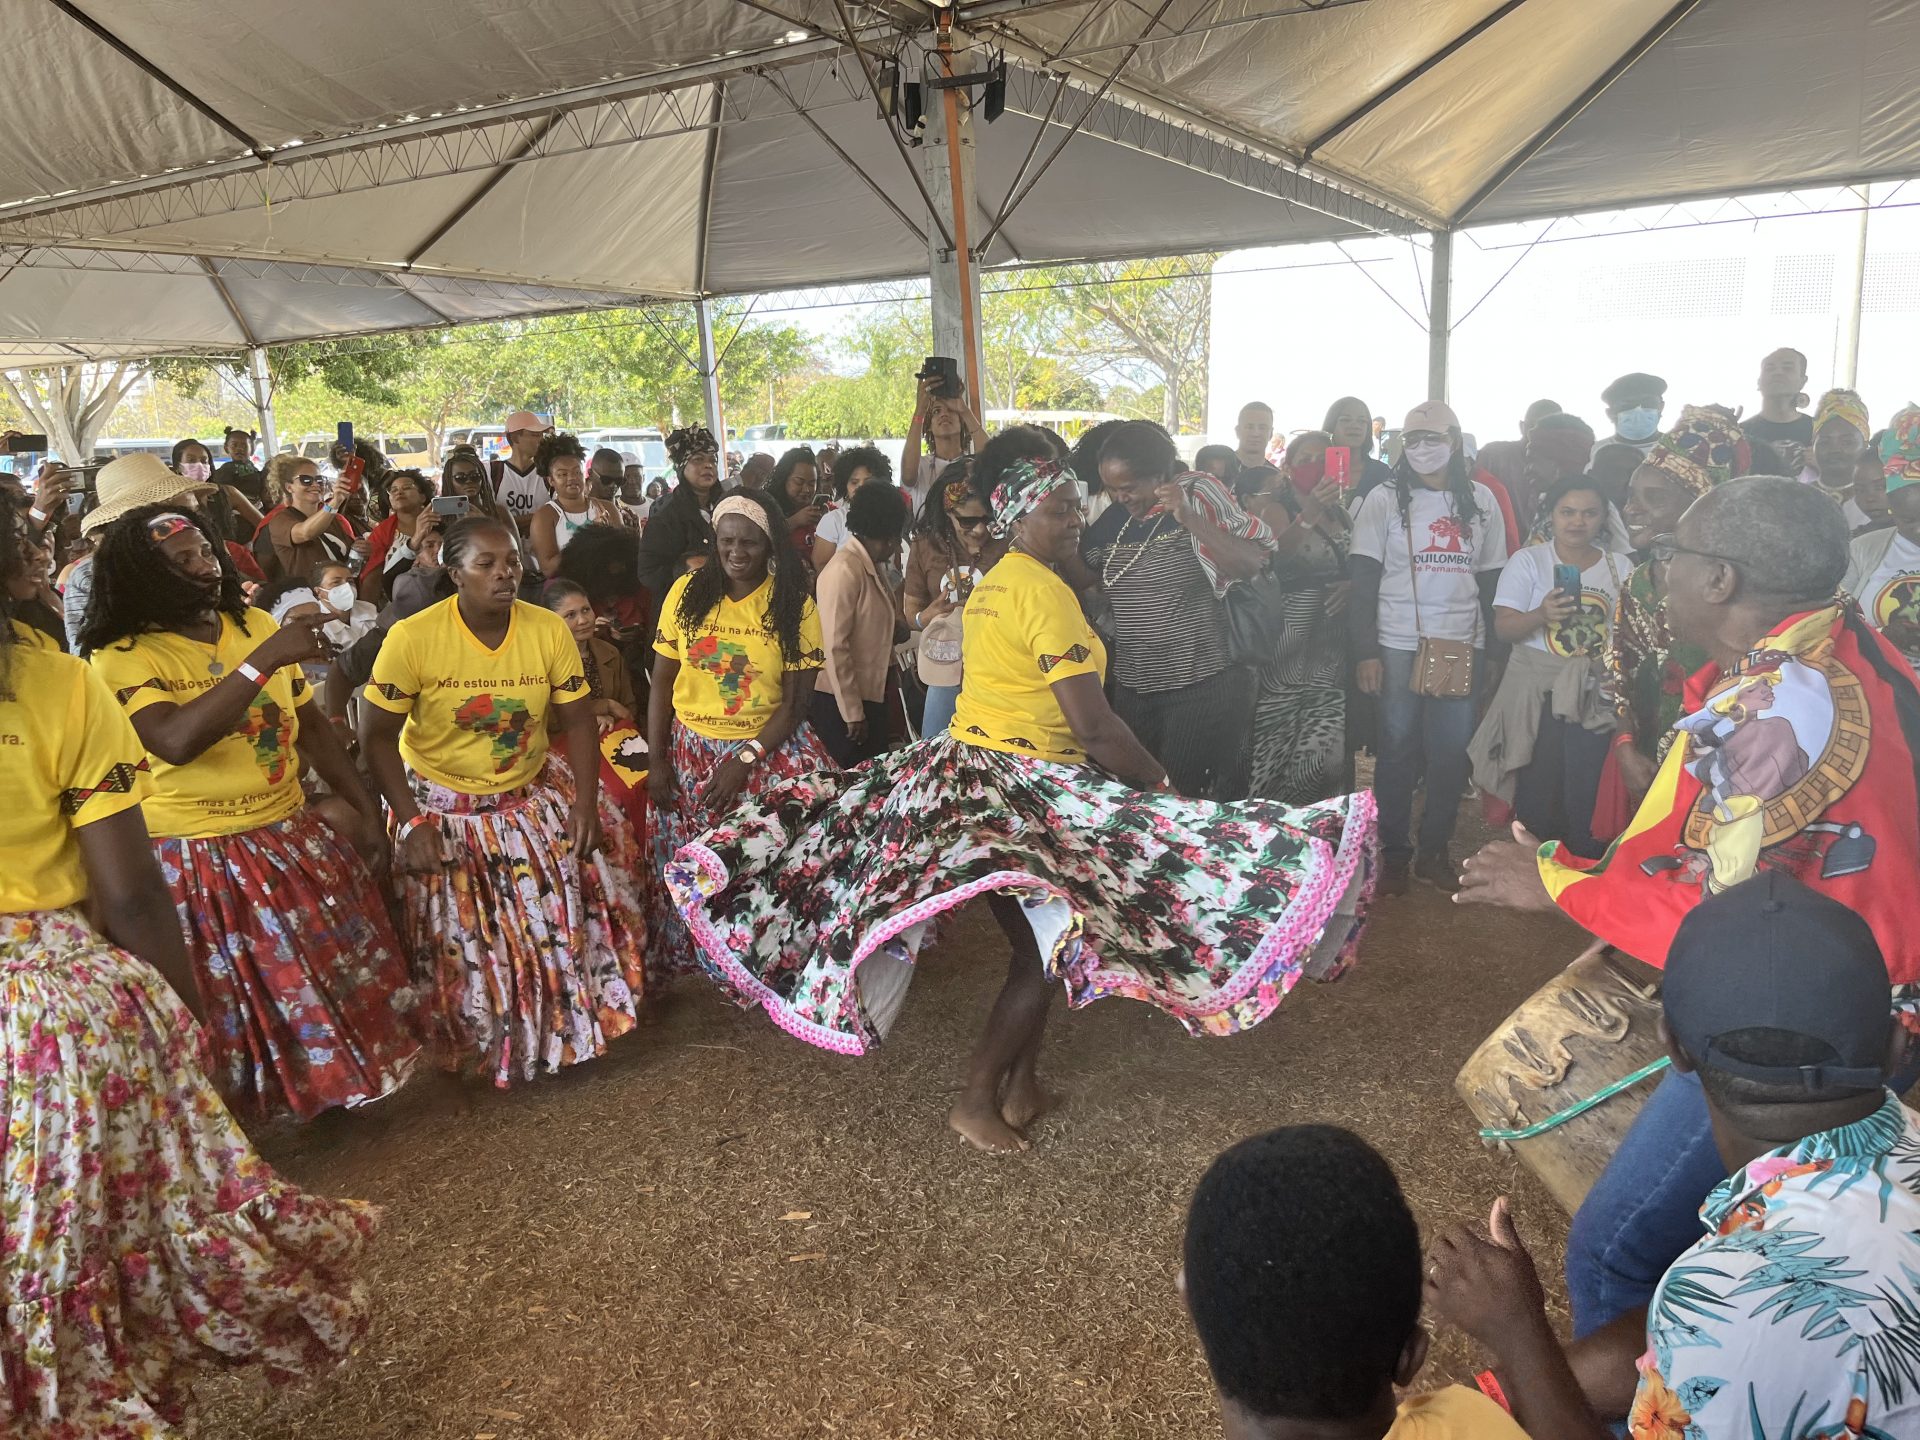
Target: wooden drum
1592, 1025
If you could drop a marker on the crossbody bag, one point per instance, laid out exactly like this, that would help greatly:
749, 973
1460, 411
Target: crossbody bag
1442, 669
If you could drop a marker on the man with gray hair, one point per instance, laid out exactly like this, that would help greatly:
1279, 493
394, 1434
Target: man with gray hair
1795, 753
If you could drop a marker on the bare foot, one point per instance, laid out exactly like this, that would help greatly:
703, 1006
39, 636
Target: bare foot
982, 1127
1027, 1100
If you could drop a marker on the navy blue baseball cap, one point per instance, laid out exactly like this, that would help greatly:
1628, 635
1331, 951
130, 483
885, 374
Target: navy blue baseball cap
1770, 954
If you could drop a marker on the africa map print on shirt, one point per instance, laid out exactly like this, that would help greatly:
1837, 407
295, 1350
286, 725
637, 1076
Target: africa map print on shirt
267, 733
503, 720
1584, 632
728, 664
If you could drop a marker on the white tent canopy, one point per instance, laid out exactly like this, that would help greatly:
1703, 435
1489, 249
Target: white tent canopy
209, 175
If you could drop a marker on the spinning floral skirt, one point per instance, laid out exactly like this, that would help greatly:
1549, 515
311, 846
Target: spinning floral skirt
813, 898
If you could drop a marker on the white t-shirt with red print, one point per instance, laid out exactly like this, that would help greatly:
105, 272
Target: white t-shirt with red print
1448, 555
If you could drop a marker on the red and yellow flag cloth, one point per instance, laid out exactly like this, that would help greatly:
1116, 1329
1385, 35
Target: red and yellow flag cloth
1802, 758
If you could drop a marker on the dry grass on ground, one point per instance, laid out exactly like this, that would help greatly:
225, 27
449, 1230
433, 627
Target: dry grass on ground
717, 1231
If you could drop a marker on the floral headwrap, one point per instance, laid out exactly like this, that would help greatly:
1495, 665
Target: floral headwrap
1023, 485
1900, 449
957, 492
1843, 405
689, 441
1705, 447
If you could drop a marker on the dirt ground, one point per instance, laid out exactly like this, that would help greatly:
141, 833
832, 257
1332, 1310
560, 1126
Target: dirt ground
719, 1231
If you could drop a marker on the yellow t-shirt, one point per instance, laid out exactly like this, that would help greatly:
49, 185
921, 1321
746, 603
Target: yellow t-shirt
731, 668
247, 778
68, 757
35, 637
1024, 630
476, 718
1455, 1413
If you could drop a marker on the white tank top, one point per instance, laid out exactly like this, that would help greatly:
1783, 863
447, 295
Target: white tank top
566, 526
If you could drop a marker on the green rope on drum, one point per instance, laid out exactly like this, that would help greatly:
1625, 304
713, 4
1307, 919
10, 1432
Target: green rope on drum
1579, 1108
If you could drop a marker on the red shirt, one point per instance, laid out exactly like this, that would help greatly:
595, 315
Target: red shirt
1801, 759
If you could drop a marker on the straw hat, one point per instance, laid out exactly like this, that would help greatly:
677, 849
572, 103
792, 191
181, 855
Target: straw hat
132, 481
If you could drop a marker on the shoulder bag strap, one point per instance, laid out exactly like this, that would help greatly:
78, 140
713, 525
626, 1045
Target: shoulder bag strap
1413, 576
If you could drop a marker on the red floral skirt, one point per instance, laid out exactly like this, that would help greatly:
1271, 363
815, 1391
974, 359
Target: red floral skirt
307, 992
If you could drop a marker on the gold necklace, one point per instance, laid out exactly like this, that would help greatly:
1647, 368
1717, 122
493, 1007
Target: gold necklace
1108, 579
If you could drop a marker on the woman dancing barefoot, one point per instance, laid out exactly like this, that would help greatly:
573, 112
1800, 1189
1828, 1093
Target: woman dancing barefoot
813, 899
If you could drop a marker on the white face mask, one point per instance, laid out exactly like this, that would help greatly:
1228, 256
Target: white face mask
341, 596
1429, 457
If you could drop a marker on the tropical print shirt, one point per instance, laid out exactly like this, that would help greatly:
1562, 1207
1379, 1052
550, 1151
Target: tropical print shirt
1797, 1317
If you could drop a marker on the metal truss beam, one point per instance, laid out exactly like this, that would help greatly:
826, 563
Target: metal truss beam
494, 129
423, 288
1316, 187
491, 149
1187, 143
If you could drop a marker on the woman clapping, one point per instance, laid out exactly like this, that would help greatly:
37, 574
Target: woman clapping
305, 988
532, 961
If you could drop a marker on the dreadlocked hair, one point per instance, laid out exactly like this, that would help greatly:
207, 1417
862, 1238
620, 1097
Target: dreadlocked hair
136, 589
707, 585
1459, 485
12, 562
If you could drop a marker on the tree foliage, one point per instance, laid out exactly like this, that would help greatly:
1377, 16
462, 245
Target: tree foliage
1129, 337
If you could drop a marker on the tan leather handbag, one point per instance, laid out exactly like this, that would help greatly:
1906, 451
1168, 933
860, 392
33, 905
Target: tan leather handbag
1442, 669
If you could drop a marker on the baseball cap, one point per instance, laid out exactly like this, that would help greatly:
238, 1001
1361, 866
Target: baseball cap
1771, 954
1434, 415
1637, 386
526, 420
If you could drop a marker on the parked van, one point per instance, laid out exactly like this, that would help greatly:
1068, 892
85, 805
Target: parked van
646, 448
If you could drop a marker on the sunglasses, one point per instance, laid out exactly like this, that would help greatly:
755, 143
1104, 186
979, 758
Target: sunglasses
969, 522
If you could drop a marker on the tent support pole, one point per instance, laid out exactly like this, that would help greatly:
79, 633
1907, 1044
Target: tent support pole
710, 377
948, 158
1856, 294
1439, 314
263, 399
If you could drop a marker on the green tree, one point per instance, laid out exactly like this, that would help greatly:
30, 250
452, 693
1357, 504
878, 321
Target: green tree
1145, 315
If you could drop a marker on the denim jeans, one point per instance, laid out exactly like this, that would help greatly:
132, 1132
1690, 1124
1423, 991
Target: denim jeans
1419, 732
939, 712
1644, 1211
1645, 1208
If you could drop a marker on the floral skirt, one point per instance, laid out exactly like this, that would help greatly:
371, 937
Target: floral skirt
695, 758
144, 1238
307, 993
812, 900
527, 968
